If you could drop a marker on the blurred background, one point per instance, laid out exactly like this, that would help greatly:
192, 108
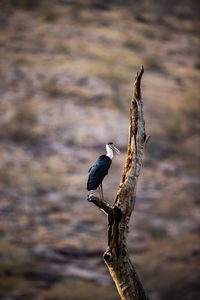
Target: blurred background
66, 77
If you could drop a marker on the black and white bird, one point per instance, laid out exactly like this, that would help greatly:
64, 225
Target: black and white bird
100, 168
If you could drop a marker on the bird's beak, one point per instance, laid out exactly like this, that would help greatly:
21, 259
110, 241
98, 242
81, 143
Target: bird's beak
115, 149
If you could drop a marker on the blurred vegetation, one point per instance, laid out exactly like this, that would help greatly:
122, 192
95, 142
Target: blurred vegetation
25, 4
154, 64
52, 88
21, 126
50, 14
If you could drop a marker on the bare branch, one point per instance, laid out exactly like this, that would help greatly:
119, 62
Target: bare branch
105, 207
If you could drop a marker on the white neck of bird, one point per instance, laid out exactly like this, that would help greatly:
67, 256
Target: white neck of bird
109, 152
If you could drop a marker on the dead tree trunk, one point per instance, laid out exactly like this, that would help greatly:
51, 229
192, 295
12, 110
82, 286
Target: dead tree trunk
116, 255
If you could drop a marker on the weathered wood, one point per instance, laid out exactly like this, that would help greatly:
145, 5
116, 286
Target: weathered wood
116, 255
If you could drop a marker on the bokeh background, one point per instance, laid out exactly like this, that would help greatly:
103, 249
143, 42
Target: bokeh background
66, 78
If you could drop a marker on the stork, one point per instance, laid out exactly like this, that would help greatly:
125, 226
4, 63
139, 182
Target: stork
100, 168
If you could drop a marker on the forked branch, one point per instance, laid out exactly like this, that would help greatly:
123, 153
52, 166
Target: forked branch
116, 256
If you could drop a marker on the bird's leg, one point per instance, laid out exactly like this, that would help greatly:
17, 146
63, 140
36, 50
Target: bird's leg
102, 191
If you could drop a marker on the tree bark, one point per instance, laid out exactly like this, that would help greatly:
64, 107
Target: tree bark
116, 255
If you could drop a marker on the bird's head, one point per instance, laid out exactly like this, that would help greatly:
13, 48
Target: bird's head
112, 147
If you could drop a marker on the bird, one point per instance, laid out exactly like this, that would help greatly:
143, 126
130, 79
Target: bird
100, 168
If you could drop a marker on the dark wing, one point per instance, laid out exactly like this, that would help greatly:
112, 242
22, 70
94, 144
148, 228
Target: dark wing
96, 174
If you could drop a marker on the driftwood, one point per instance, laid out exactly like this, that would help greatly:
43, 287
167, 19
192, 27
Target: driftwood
116, 255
